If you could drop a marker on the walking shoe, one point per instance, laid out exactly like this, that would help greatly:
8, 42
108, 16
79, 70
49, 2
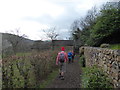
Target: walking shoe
62, 78
59, 75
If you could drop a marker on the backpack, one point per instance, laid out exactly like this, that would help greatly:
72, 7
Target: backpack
69, 54
62, 57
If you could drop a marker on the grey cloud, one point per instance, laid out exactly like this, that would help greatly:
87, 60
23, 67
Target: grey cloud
64, 21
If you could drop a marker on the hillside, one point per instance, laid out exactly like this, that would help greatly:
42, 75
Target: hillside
24, 44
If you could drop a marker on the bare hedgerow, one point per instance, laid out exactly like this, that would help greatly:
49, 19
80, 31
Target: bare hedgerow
27, 71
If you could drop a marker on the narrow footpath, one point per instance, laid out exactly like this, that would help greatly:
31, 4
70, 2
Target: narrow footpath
72, 76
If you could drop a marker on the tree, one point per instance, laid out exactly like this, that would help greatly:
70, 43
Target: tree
99, 26
81, 28
107, 27
15, 38
51, 33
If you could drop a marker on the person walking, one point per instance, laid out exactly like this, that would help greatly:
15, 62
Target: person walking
70, 57
73, 55
61, 60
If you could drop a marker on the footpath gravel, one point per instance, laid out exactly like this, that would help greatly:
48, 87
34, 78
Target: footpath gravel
72, 76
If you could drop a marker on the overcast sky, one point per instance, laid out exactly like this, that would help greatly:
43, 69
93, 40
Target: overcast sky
32, 16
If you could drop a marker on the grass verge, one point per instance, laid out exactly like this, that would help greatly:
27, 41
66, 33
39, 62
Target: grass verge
93, 77
23, 54
49, 79
115, 46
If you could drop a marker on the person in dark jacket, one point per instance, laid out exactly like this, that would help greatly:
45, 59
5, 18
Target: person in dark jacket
70, 57
73, 55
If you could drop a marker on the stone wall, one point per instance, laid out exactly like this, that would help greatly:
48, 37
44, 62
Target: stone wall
105, 58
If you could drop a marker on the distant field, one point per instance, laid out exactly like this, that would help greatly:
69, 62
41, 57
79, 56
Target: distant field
115, 46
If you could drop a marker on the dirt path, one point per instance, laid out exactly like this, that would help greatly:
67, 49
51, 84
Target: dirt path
72, 77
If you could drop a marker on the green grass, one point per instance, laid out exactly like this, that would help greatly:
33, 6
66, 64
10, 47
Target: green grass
23, 54
49, 79
115, 46
94, 77
17, 54
84, 78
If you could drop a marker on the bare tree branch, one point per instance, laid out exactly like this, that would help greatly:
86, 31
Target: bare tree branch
51, 33
15, 38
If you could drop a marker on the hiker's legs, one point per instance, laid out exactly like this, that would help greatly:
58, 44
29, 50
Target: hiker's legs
62, 73
62, 70
69, 60
59, 74
72, 59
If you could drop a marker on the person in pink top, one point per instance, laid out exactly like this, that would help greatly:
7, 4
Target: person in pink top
61, 60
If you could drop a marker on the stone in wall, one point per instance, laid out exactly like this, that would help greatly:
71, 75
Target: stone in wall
105, 58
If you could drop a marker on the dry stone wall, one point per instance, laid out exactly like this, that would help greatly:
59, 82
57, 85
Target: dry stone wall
107, 59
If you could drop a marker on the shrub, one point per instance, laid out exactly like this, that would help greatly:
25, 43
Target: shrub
115, 46
81, 51
82, 59
95, 78
104, 45
27, 71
